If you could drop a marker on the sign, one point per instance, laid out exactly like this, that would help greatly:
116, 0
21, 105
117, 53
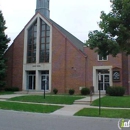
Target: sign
122, 124
116, 75
99, 76
36, 66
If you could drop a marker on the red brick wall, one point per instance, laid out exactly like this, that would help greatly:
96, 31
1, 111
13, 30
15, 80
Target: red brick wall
9, 64
92, 60
68, 64
58, 61
15, 62
70, 68
75, 68
125, 72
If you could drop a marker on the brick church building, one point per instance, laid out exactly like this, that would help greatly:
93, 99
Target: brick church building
44, 54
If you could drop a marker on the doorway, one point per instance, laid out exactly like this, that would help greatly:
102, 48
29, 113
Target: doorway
103, 81
31, 79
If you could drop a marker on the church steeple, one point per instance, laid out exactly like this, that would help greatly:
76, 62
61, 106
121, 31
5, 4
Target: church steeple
43, 7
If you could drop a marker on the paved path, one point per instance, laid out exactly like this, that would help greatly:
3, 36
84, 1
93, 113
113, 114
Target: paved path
7, 96
88, 98
67, 110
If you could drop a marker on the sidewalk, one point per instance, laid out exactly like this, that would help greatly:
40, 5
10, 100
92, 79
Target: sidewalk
7, 96
66, 110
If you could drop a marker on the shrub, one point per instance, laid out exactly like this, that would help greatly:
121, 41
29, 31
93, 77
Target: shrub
116, 91
85, 91
108, 89
71, 91
55, 91
12, 89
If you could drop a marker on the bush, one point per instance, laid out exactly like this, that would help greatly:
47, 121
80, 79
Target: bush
71, 91
85, 91
12, 89
55, 91
108, 89
116, 91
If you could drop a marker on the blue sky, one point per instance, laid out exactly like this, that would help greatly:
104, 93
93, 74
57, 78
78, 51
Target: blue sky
77, 16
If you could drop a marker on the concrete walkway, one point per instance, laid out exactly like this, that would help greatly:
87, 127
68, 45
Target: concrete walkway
7, 96
79, 104
67, 110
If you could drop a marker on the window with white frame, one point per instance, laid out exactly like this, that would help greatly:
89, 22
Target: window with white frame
31, 44
101, 58
44, 42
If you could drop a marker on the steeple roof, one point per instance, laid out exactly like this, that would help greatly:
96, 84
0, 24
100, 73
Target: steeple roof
42, 6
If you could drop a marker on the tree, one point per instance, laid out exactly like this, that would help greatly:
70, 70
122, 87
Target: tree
3, 46
114, 36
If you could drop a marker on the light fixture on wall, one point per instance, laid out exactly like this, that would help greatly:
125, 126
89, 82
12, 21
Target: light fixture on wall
73, 68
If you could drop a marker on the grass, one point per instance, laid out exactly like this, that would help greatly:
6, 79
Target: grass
112, 101
28, 107
6, 92
49, 99
108, 113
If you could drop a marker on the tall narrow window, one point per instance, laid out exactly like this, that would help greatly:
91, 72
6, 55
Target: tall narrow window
44, 42
31, 45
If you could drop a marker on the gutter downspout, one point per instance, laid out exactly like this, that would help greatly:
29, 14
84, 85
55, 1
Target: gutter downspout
85, 71
65, 80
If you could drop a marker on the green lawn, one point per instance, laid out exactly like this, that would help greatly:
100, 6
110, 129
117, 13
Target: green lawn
58, 99
6, 92
108, 113
112, 101
28, 107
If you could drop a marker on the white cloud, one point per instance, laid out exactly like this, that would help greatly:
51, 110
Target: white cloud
78, 17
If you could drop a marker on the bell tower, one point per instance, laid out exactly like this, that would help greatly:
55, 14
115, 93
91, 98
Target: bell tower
42, 6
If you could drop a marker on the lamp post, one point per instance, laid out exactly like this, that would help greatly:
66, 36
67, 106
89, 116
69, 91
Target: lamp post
99, 78
44, 87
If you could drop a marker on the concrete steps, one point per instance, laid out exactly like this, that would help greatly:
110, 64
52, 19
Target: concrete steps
82, 102
32, 92
87, 100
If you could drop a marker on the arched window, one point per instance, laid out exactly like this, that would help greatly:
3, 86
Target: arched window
31, 44
44, 42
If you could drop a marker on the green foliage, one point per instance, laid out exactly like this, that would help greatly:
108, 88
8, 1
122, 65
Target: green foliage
107, 89
113, 101
110, 113
6, 92
28, 107
116, 91
71, 91
12, 89
49, 99
102, 43
3, 46
55, 91
114, 36
85, 91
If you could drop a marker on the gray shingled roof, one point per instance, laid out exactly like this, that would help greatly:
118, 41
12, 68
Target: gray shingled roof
76, 42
